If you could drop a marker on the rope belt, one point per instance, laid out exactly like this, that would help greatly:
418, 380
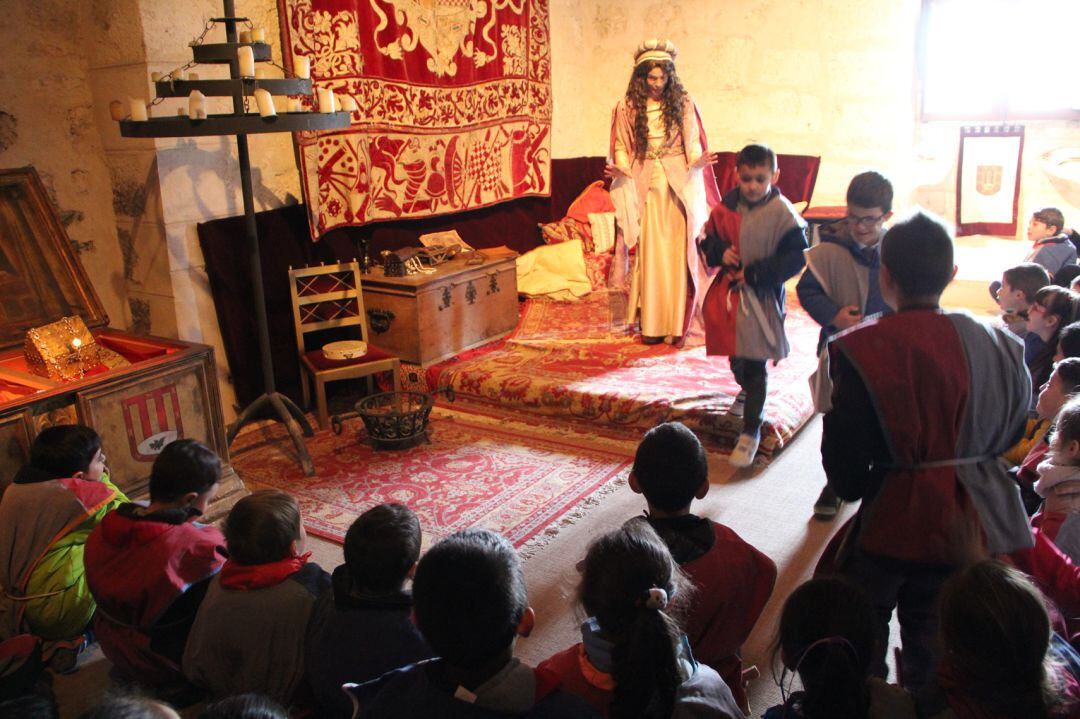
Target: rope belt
957, 462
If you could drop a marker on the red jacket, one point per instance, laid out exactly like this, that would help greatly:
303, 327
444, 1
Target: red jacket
138, 568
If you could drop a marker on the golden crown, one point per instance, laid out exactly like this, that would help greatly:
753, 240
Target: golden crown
655, 49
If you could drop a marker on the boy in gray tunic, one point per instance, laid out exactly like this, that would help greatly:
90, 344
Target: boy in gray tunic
769, 251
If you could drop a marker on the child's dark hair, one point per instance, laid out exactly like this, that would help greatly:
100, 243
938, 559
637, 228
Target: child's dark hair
184, 466
620, 569
918, 253
245, 706
826, 632
1050, 216
996, 633
126, 706
870, 189
1066, 275
670, 466
1028, 277
262, 526
1069, 340
1068, 370
29, 706
64, 449
756, 156
469, 597
1059, 302
381, 547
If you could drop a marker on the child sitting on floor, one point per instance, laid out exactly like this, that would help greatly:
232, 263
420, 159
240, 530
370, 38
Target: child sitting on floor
149, 567
734, 580
470, 604
826, 638
765, 253
1063, 383
1016, 292
1054, 307
634, 660
996, 635
1059, 483
249, 632
361, 628
1051, 247
46, 515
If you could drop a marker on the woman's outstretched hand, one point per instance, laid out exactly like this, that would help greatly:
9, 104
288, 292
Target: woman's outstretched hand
707, 158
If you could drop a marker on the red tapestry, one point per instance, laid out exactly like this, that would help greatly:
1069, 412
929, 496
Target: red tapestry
454, 102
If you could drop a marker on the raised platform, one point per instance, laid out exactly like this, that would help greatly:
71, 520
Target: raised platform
575, 363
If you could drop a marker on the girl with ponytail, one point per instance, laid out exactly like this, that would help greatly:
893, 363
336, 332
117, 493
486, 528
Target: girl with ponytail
634, 660
826, 639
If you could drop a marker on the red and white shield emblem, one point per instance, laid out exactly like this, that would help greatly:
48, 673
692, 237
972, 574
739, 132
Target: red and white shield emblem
152, 420
988, 179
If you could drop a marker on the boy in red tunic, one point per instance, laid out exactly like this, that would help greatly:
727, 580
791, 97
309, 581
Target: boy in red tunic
149, 567
733, 579
924, 401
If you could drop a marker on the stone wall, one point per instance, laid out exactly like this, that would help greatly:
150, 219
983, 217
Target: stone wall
834, 78
47, 120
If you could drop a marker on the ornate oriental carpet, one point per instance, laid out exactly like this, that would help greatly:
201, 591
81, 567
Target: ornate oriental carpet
571, 361
454, 105
524, 481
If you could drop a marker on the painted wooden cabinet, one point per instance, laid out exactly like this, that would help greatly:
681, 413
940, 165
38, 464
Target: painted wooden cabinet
165, 390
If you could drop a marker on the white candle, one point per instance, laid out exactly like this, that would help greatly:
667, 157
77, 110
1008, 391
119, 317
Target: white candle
197, 105
347, 103
258, 35
155, 76
266, 103
245, 36
138, 109
116, 110
302, 66
246, 56
326, 100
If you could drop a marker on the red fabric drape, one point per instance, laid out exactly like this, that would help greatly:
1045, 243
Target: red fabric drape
454, 105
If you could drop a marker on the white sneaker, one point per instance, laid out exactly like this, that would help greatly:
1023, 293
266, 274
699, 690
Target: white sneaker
745, 449
738, 407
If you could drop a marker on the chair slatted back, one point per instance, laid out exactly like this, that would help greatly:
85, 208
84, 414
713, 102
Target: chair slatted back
327, 297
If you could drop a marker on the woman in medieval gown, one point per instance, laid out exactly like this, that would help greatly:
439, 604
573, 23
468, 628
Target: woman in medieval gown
663, 188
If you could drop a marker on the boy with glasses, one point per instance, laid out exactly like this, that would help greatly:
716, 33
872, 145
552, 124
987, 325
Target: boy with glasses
840, 286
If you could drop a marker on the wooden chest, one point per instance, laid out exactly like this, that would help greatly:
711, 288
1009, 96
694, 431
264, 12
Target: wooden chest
167, 390
426, 318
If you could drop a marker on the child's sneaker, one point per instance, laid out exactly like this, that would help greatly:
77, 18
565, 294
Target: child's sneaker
738, 407
827, 504
745, 449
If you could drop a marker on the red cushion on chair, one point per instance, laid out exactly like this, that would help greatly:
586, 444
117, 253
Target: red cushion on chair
319, 362
825, 213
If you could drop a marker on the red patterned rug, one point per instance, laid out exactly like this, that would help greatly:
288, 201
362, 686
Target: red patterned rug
525, 481
574, 361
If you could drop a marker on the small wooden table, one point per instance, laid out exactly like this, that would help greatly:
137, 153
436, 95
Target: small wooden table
427, 318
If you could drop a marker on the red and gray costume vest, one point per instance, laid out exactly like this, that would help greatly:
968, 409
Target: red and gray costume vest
950, 395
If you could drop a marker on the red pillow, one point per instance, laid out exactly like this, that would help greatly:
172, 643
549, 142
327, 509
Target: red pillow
593, 198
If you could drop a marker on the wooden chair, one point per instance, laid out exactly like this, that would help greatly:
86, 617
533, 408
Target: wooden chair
330, 297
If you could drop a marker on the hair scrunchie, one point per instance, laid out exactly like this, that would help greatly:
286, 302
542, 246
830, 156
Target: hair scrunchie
656, 598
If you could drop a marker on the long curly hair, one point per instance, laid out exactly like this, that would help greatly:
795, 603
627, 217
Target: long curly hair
637, 94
